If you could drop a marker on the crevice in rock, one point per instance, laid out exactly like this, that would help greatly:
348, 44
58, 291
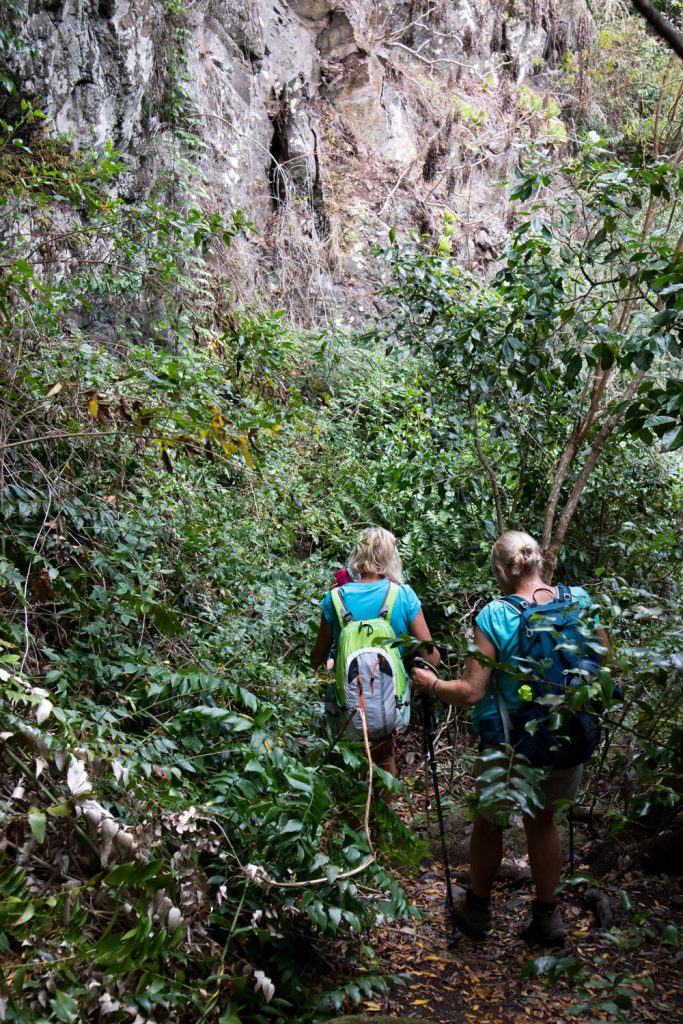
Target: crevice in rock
431, 162
254, 59
295, 171
511, 65
278, 159
322, 222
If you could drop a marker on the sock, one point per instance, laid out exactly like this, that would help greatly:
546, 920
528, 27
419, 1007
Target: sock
477, 901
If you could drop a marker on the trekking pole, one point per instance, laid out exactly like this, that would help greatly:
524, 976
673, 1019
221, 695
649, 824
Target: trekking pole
425, 758
434, 769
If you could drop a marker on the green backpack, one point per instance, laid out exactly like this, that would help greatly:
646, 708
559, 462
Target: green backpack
368, 673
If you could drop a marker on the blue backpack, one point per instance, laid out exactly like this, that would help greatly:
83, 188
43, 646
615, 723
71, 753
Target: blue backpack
556, 653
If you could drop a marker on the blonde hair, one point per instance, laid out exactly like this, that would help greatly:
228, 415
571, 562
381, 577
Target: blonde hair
375, 551
517, 552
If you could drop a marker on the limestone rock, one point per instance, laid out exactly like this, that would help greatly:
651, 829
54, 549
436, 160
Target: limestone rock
304, 111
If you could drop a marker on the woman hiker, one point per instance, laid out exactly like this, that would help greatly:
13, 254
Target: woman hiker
517, 563
373, 563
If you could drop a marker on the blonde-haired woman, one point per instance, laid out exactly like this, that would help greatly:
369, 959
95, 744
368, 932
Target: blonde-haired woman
517, 562
374, 562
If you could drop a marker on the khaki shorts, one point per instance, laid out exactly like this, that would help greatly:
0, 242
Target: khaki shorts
560, 784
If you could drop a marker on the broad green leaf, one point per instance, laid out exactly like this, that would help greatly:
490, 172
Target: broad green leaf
60, 810
37, 820
167, 622
671, 935
672, 440
291, 826
121, 873
64, 1006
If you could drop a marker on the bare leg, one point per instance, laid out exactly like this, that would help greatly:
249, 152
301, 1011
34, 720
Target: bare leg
545, 854
384, 756
486, 854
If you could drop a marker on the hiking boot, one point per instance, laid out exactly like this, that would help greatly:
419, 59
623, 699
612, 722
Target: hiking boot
545, 927
473, 915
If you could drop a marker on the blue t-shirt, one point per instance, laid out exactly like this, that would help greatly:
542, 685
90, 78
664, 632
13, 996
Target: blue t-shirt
499, 621
364, 601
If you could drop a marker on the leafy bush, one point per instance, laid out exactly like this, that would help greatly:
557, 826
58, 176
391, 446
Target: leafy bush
180, 477
156, 614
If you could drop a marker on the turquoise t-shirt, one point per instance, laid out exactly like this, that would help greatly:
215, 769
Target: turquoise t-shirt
364, 601
499, 621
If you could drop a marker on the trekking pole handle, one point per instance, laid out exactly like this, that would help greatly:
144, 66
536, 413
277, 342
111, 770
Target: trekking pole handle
418, 662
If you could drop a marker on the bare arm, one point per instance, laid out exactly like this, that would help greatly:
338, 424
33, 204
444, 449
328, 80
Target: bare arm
420, 630
322, 644
604, 642
462, 692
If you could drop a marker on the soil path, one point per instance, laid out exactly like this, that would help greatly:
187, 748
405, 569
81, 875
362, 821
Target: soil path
484, 983
628, 966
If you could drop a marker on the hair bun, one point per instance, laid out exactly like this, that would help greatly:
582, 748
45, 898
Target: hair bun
517, 552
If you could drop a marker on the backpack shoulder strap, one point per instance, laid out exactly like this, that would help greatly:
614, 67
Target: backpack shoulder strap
563, 593
516, 602
389, 601
343, 613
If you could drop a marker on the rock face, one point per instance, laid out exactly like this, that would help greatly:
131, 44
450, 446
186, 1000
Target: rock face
90, 65
326, 120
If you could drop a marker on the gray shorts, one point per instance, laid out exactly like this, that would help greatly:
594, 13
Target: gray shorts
559, 784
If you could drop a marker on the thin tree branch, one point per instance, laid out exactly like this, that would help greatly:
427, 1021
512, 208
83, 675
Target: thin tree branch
432, 61
664, 29
490, 472
594, 454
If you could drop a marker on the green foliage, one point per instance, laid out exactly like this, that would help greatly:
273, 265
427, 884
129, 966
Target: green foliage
148, 581
548, 126
613, 993
546, 316
508, 785
586, 298
179, 479
622, 100
10, 39
157, 619
464, 111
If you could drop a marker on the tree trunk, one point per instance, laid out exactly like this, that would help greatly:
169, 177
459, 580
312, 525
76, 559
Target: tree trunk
570, 451
559, 530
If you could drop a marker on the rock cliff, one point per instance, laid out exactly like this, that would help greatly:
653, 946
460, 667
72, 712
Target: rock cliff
326, 120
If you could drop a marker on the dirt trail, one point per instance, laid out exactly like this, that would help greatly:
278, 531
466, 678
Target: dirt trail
482, 983
625, 969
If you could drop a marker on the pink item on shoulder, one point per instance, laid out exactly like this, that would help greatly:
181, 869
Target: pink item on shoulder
341, 577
